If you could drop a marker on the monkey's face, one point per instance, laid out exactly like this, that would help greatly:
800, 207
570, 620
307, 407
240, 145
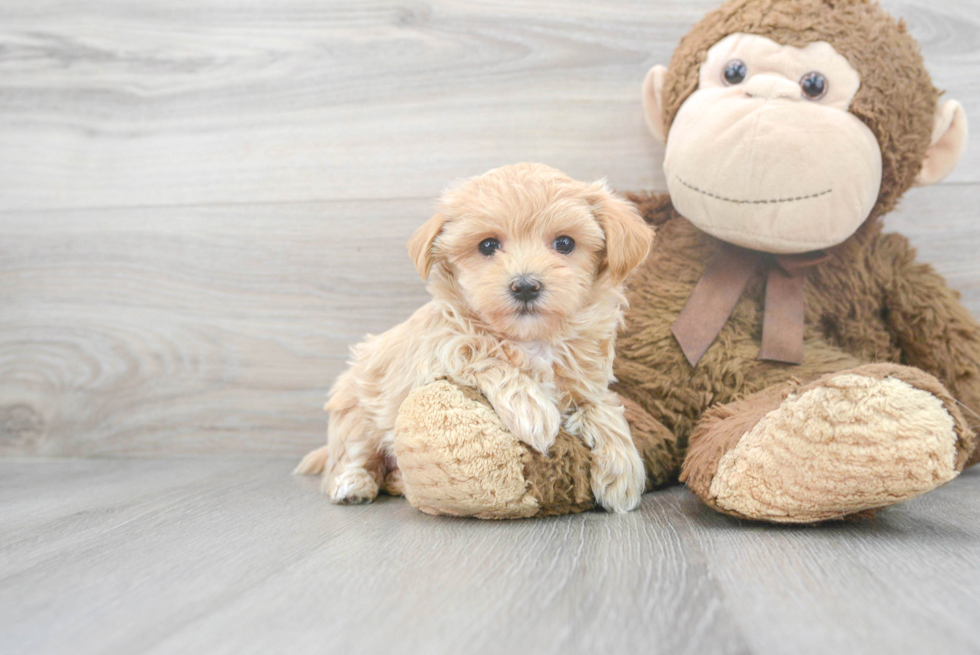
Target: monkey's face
765, 155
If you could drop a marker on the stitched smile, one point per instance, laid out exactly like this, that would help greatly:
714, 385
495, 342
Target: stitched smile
750, 202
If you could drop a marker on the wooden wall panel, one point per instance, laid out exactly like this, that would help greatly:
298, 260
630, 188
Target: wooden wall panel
113, 103
203, 204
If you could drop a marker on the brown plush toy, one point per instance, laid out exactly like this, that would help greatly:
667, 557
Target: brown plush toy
783, 356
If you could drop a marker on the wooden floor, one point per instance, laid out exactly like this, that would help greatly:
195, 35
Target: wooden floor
216, 555
204, 203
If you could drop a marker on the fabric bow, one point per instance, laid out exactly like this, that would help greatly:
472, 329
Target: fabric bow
722, 284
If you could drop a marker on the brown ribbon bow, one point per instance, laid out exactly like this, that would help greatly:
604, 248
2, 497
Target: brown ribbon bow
722, 284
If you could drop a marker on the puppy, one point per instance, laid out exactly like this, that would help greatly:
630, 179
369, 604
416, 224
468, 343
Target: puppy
525, 267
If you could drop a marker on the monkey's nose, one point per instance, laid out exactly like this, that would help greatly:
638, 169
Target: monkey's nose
525, 289
772, 87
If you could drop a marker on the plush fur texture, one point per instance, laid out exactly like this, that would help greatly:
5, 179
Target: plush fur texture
458, 459
543, 363
858, 439
822, 164
869, 303
812, 458
896, 100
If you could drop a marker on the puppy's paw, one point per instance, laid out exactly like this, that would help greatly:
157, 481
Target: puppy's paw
531, 416
394, 482
618, 477
351, 487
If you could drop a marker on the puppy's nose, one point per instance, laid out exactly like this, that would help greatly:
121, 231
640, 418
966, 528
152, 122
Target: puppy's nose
525, 289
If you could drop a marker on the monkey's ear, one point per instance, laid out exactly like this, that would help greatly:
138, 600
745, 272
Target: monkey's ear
948, 142
420, 245
628, 237
653, 94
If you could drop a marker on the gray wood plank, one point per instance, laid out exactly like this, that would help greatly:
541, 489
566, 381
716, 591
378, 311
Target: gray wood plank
905, 582
252, 560
137, 331
111, 103
219, 329
82, 499
943, 223
221, 555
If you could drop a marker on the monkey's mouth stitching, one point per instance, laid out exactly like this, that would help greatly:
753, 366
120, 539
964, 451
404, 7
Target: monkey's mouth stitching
750, 202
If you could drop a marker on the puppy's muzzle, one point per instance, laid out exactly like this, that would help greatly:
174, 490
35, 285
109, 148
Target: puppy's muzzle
525, 289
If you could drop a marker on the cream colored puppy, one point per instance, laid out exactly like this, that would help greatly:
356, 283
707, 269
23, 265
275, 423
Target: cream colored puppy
525, 266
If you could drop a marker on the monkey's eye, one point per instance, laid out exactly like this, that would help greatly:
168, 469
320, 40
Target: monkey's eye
735, 71
564, 244
814, 85
489, 246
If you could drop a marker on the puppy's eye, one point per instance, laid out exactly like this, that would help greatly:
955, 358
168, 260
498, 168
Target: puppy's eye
564, 244
489, 246
735, 71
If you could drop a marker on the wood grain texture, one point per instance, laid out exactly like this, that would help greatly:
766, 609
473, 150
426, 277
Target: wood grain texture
204, 203
943, 223
193, 330
907, 582
111, 103
217, 555
203, 206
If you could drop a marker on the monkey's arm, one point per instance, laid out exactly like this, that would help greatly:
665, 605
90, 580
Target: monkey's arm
655, 207
934, 330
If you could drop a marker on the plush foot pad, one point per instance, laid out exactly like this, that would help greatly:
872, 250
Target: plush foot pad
457, 458
846, 444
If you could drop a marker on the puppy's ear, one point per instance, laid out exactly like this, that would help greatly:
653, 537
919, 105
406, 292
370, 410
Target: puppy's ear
628, 237
420, 245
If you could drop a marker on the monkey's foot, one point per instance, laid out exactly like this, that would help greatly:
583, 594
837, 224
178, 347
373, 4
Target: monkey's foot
457, 458
848, 443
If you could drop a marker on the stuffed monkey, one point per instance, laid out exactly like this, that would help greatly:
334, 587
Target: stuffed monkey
783, 357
